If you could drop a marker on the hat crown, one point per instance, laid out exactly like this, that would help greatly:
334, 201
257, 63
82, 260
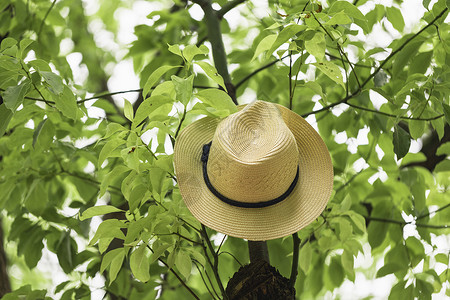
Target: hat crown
254, 155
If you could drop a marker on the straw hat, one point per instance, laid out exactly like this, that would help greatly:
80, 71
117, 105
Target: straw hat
259, 174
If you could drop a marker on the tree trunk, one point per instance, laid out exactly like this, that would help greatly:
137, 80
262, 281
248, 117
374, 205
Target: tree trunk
258, 280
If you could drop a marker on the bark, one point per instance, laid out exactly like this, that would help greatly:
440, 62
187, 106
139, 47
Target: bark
259, 281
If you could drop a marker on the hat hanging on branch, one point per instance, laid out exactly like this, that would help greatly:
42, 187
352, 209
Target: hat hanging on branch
258, 174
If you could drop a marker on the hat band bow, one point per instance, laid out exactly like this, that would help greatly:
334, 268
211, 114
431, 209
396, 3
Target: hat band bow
204, 159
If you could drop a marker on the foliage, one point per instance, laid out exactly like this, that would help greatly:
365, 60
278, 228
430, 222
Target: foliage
60, 165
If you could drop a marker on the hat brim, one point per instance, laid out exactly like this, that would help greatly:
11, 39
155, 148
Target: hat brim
300, 208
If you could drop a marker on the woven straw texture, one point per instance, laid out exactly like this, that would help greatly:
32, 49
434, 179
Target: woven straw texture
254, 157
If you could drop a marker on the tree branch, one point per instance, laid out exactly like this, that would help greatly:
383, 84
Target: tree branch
433, 212
176, 275
402, 46
45, 17
214, 265
295, 257
403, 223
348, 97
257, 71
391, 115
218, 49
227, 7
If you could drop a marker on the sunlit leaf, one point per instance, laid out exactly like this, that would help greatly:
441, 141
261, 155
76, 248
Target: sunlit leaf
98, 210
395, 16
154, 77
332, 71
139, 263
212, 73
217, 99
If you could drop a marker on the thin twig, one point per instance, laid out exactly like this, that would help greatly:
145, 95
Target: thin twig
243, 80
221, 243
295, 257
45, 17
387, 59
232, 255
108, 94
227, 7
204, 281
393, 116
176, 275
403, 223
402, 46
433, 212
212, 22
341, 52
181, 122
214, 265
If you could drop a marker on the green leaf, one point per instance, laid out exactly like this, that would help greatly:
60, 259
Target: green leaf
352, 11
425, 3
332, 71
442, 258
314, 86
358, 220
316, 46
212, 73
264, 45
67, 103
190, 51
13, 96
98, 210
339, 18
7, 42
401, 141
305, 255
5, 117
443, 149
389, 269
347, 261
136, 196
398, 291
110, 228
139, 263
446, 109
442, 166
158, 251
43, 135
128, 109
149, 106
417, 128
154, 77
24, 44
66, 253
107, 149
37, 198
112, 259
183, 263
395, 17
111, 176
112, 128
183, 88
336, 272
26, 292
217, 99
61, 286
54, 81
175, 49
285, 34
